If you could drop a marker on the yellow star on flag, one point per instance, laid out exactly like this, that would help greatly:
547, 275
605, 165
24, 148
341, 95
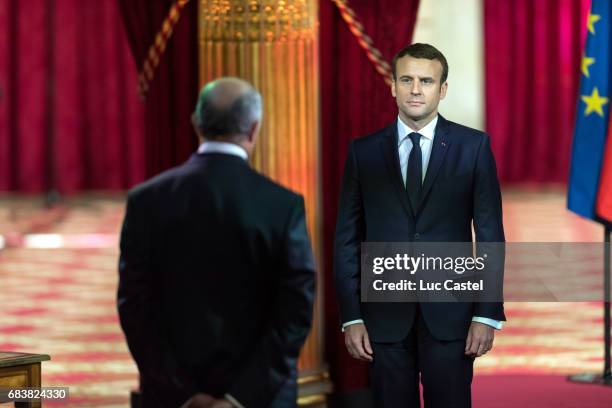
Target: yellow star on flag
594, 103
586, 63
593, 18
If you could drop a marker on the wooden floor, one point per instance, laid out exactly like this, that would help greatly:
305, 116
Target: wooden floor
58, 274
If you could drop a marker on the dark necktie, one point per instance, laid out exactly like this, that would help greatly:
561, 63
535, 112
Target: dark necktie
414, 171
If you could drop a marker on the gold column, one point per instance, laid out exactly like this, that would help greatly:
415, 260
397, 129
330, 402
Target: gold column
273, 45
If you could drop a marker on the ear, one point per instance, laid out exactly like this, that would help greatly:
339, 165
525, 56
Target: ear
253, 131
443, 90
393, 87
195, 128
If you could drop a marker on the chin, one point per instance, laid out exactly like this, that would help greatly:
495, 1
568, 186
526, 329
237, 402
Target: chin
417, 116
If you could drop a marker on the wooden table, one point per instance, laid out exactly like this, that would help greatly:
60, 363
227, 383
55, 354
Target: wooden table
20, 370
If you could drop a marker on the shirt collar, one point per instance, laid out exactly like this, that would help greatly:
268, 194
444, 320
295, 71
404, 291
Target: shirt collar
223, 147
403, 130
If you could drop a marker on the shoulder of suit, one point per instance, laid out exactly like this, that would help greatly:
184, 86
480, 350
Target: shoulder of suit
272, 187
156, 182
168, 177
373, 138
457, 130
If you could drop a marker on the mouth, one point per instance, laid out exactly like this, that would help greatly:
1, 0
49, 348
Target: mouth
415, 103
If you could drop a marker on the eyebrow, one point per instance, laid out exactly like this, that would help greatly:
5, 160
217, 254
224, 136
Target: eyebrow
421, 78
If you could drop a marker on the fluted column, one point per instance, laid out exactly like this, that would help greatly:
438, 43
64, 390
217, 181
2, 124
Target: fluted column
273, 45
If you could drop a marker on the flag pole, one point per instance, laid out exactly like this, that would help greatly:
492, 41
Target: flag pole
606, 377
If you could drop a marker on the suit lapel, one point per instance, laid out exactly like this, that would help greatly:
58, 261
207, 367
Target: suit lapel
390, 152
440, 146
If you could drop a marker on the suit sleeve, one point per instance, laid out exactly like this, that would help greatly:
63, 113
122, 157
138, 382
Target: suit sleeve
349, 235
273, 359
488, 226
138, 301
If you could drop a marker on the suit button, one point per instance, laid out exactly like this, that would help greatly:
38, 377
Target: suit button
417, 235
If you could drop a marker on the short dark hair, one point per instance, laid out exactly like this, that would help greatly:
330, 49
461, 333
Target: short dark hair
420, 50
213, 121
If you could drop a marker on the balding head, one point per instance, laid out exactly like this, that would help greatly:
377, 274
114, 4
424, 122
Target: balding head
228, 108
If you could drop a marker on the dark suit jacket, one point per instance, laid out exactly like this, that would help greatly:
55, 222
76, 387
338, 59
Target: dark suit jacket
460, 186
216, 283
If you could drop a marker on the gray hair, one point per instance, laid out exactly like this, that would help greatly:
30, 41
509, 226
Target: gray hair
221, 112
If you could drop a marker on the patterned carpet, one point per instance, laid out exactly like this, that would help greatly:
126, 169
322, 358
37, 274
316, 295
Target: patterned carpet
61, 301
58, 274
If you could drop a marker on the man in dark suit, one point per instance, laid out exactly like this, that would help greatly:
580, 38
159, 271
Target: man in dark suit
421, 179
216, 274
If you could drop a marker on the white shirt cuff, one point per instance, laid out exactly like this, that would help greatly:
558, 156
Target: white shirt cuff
233, 401
347, 324
489, 322
484, 320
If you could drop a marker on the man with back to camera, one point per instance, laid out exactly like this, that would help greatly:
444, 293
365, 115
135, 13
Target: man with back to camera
421, 179
216, 274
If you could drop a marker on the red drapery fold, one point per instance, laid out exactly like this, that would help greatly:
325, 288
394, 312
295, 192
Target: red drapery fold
354, 101
173, 92
70, 118
532, 65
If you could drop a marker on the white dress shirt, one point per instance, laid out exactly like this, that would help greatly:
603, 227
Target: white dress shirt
404, 146
223, 147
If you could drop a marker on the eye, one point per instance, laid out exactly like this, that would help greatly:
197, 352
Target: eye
406, 80
428, 81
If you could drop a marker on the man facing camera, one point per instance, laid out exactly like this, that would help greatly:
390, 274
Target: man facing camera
216, 274
421, 179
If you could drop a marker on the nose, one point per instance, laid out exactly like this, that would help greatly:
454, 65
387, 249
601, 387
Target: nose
416, 88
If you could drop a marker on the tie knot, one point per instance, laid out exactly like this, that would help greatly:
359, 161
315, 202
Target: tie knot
415, 137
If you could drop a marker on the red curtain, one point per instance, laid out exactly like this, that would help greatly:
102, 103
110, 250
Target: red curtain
170, 138
532, 65
70, 118
354, 101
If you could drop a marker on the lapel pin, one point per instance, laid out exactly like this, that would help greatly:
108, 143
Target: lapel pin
443, 144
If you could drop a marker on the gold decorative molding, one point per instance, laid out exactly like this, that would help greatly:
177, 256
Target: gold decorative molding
256, 21
318, 400
314, 378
